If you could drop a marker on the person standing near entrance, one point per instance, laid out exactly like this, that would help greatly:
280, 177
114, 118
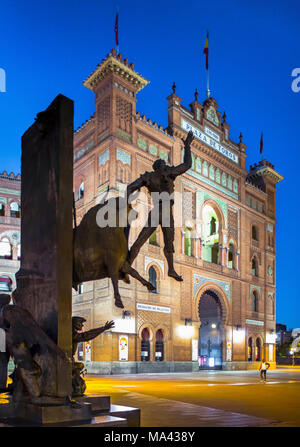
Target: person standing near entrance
263, 367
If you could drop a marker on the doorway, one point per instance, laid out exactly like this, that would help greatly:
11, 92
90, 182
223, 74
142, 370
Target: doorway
210, 331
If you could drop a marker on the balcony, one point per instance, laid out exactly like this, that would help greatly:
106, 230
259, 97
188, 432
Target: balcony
11, 221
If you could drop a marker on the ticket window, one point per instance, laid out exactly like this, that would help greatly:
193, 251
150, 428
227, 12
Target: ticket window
145, 345
258, 350
159, 346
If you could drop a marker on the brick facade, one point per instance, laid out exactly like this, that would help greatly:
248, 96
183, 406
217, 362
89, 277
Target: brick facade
10, 192
236, 260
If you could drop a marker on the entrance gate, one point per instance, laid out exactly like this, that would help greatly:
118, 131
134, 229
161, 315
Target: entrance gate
210, 331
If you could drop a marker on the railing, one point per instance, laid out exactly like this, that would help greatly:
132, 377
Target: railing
7, 220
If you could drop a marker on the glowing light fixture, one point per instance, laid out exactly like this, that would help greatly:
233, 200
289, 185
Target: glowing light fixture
211, 362
238, 335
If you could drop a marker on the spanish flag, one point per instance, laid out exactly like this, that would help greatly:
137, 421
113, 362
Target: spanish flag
205, 51
117, 28
261, 144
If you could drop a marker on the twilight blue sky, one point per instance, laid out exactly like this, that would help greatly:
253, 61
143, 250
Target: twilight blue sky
50, 47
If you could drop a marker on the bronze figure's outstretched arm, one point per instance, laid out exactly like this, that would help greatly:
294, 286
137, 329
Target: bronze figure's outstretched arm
187, 159
93, 333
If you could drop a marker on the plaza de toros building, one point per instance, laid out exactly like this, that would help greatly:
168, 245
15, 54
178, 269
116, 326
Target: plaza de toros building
10, 223
223, 313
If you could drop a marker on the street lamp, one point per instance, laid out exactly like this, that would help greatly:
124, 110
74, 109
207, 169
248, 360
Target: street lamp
292, 351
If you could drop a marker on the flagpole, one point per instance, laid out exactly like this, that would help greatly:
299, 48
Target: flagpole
207, 84
207, 68
117, 31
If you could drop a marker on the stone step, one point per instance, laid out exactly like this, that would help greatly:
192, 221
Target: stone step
98, 402
133, 415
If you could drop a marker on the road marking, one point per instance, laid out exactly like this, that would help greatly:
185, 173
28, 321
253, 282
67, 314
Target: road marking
235, 384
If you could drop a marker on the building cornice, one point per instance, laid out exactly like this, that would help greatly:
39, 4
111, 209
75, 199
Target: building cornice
113, 65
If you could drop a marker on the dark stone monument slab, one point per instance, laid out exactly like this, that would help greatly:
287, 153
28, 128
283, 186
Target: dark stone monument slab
44, 281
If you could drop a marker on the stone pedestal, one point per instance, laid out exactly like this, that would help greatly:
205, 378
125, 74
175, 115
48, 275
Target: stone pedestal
44, 281
98, 403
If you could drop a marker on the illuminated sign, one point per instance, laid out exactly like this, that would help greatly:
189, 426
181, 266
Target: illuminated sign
209, 141
255, 322
165, 310
126, 326
271, 338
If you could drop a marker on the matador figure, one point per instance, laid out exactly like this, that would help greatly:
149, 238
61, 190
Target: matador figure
161, 180
78, 384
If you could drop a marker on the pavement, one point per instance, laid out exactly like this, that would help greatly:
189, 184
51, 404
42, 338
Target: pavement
207, 398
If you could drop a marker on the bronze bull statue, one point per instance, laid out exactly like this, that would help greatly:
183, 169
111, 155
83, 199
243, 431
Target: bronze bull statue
101, 252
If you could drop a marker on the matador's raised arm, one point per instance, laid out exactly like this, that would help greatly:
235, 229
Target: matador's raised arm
187, 159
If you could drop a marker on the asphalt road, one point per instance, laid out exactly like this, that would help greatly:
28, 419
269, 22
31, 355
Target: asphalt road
207, 398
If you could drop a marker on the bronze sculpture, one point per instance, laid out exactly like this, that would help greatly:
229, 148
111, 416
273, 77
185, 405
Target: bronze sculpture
161, 180
78, 383
32, 351
103, 252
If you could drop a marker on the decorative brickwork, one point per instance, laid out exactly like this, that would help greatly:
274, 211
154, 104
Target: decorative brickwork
156, 319
103, 114
233, 225
124, 115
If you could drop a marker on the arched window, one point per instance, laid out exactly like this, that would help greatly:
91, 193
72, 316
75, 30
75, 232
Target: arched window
14, 209
159, 346
5, 249
254, 267
2, 209
231, 256
145, 345
210, 235
258, 350
81, 191
254, 233
213, 226
254, 301
187, 242
153, 278
250, 349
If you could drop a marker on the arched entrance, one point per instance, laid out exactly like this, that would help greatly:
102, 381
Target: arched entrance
210, 331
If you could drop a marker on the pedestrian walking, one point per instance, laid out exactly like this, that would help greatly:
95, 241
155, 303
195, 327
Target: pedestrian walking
263, 367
